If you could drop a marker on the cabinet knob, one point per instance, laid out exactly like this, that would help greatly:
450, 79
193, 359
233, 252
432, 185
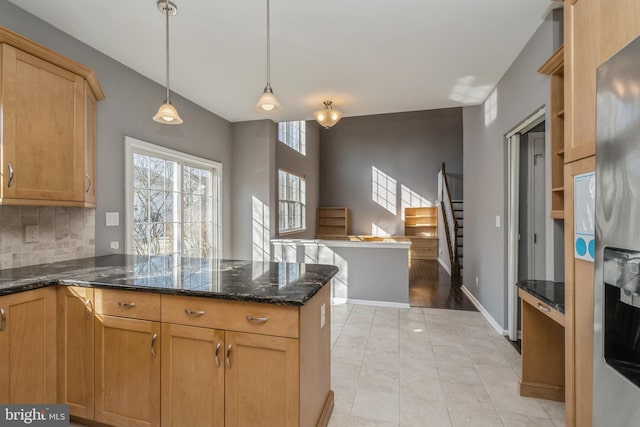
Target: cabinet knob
153, 344
257, 319
11, 175
217, 354
127, 304
88, 183
194, 313
229, 356
543, 308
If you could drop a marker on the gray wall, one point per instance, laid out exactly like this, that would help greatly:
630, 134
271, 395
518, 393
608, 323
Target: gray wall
307, 166
409, 147
253, 188
131, 101
520, 92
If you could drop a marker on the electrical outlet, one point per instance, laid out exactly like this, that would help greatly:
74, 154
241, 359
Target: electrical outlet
440, 253
115, 245
477, 282
31, 234
323, 316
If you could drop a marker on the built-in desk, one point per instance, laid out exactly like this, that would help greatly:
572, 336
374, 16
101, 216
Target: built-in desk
542, 339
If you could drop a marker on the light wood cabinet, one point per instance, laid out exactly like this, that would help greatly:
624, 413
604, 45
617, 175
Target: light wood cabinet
421, 222
48, 126
261, 384
332, 223
193, 374
582, 57
28, 347
127, 373
554, 67
76, 350
578, 295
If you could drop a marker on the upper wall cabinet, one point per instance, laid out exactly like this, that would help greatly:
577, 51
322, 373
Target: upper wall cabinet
581, 59
48, 134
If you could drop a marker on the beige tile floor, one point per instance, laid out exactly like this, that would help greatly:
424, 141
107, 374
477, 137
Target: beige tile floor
427, 367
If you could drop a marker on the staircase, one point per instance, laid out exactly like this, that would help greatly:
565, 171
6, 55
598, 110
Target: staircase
458, 215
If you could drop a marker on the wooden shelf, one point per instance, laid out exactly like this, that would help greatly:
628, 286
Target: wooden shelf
333, 223
421, 222
556, 214
554, 68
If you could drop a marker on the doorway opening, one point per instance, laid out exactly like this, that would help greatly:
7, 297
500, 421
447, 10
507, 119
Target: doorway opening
526, 210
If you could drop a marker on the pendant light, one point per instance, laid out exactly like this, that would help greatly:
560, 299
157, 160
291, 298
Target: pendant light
328, 116
268, 103
167, 113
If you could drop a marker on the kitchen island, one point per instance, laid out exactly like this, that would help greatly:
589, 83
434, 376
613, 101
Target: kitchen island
128, 340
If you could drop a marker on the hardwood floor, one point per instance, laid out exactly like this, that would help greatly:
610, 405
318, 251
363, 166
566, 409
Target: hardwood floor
430, 286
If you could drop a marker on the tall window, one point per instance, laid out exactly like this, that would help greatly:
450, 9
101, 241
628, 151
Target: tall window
173, 202
292, 196
293, 135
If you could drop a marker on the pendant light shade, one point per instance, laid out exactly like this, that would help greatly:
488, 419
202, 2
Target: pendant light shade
328, 116
268, 103
167, 113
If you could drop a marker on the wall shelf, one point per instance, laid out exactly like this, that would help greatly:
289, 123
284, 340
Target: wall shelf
333, 223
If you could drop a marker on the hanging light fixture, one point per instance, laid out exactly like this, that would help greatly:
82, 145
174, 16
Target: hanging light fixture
268, 103
167, 113
328, 116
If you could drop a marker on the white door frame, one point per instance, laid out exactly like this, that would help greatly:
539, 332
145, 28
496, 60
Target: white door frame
513, 198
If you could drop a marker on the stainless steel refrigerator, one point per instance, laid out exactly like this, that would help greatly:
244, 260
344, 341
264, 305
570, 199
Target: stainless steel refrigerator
616, 394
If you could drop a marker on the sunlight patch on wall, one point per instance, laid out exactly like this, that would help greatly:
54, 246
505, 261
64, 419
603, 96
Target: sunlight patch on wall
261, 234
411, 199
466, 92
378, 231
491, 108
384, 190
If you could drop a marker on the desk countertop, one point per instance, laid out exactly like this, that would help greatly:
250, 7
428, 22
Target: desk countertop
551, 293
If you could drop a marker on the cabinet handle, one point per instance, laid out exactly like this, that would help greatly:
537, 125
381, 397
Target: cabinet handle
127, 304
257, 319
543, 308
88, 183
217, 353
11, 174
229, 356
153, 344
195, 313
4, 319
87, 312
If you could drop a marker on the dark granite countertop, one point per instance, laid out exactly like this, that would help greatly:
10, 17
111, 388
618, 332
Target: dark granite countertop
551, 293
265, 282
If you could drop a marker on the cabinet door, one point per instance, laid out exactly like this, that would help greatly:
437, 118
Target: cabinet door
192, 376
262, 380
579, 278
43, 130
76, 350
28, 347
582, 43
127, 385
90, 147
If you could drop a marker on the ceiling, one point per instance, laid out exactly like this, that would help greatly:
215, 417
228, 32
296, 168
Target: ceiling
368, 56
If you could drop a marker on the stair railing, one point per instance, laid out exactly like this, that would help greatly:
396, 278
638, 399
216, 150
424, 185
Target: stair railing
451, 225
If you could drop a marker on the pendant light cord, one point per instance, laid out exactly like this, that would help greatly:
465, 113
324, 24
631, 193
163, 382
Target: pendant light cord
268, 47
166, 12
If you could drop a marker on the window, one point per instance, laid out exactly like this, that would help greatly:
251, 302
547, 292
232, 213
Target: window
173, 202
293, 135
292, 195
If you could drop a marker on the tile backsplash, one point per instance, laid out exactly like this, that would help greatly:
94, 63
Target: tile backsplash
64, 233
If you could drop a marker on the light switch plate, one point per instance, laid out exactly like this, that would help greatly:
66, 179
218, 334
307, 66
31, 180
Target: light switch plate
112, 219
115, 245
497, 221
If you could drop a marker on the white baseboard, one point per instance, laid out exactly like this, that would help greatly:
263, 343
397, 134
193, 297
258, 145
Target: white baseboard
445, 266
484, 312
337, 301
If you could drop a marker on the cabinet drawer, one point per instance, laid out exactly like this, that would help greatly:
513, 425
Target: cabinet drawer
231, 315
136, 305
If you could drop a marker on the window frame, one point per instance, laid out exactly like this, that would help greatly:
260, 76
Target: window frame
303, 210
302, 137
136, 146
